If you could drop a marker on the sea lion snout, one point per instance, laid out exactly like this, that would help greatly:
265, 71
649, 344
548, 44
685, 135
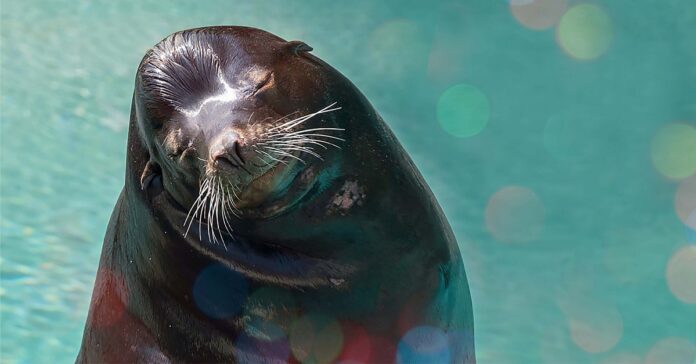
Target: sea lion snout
227, 151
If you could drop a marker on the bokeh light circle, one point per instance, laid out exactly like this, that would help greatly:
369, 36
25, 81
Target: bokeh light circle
316, 338
538, 14
463, 110
673, 150
691, 232
681, 274
384, 349
219, 292
671, 350
263, 329
423, 344
584, 32
595, 325
598, 335
271, 303
357, 347
445, 61
685, 202
515, 214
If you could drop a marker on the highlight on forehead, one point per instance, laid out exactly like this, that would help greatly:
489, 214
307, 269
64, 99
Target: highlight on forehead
226, 92
182, 68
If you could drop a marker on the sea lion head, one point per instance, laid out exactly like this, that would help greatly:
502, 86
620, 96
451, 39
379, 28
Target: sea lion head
236, 127
231, 116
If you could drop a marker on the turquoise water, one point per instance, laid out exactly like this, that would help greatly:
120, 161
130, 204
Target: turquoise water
559, 137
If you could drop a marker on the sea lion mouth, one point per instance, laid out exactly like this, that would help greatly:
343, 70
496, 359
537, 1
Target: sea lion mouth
270, 182
225, 197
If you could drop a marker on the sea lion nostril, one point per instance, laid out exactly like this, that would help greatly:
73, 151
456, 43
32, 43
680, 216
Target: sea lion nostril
225, 158
229, 151
238, 152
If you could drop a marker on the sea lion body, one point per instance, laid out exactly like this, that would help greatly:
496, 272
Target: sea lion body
337, 252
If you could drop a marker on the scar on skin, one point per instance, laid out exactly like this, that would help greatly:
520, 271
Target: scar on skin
350, 194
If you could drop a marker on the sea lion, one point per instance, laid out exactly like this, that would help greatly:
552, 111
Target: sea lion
270, 215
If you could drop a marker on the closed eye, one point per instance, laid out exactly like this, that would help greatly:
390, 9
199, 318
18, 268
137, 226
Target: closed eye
267, 82
181, 152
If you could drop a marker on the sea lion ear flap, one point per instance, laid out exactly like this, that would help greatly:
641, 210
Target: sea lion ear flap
298, 47
151, 172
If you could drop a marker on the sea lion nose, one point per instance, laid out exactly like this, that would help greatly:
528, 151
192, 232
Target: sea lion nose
227, 149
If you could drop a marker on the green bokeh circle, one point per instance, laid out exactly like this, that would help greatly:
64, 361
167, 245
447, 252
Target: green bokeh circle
584, 32
463, 110
674, 150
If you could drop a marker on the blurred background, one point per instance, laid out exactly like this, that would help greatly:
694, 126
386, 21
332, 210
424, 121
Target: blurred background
558, 135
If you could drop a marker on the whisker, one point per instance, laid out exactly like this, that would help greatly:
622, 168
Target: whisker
213, 211
195, 202
287, 116
313, 135
281, 152
225, 216
227, 226
324, 143
218, 209
204, 205
305, 141
303, 131
287, 147
314, 129
292, 123
302, 141
209, 218
234, 193
202, 195
272, 157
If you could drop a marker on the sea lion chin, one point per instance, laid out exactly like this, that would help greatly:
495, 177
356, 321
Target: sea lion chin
266, 204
